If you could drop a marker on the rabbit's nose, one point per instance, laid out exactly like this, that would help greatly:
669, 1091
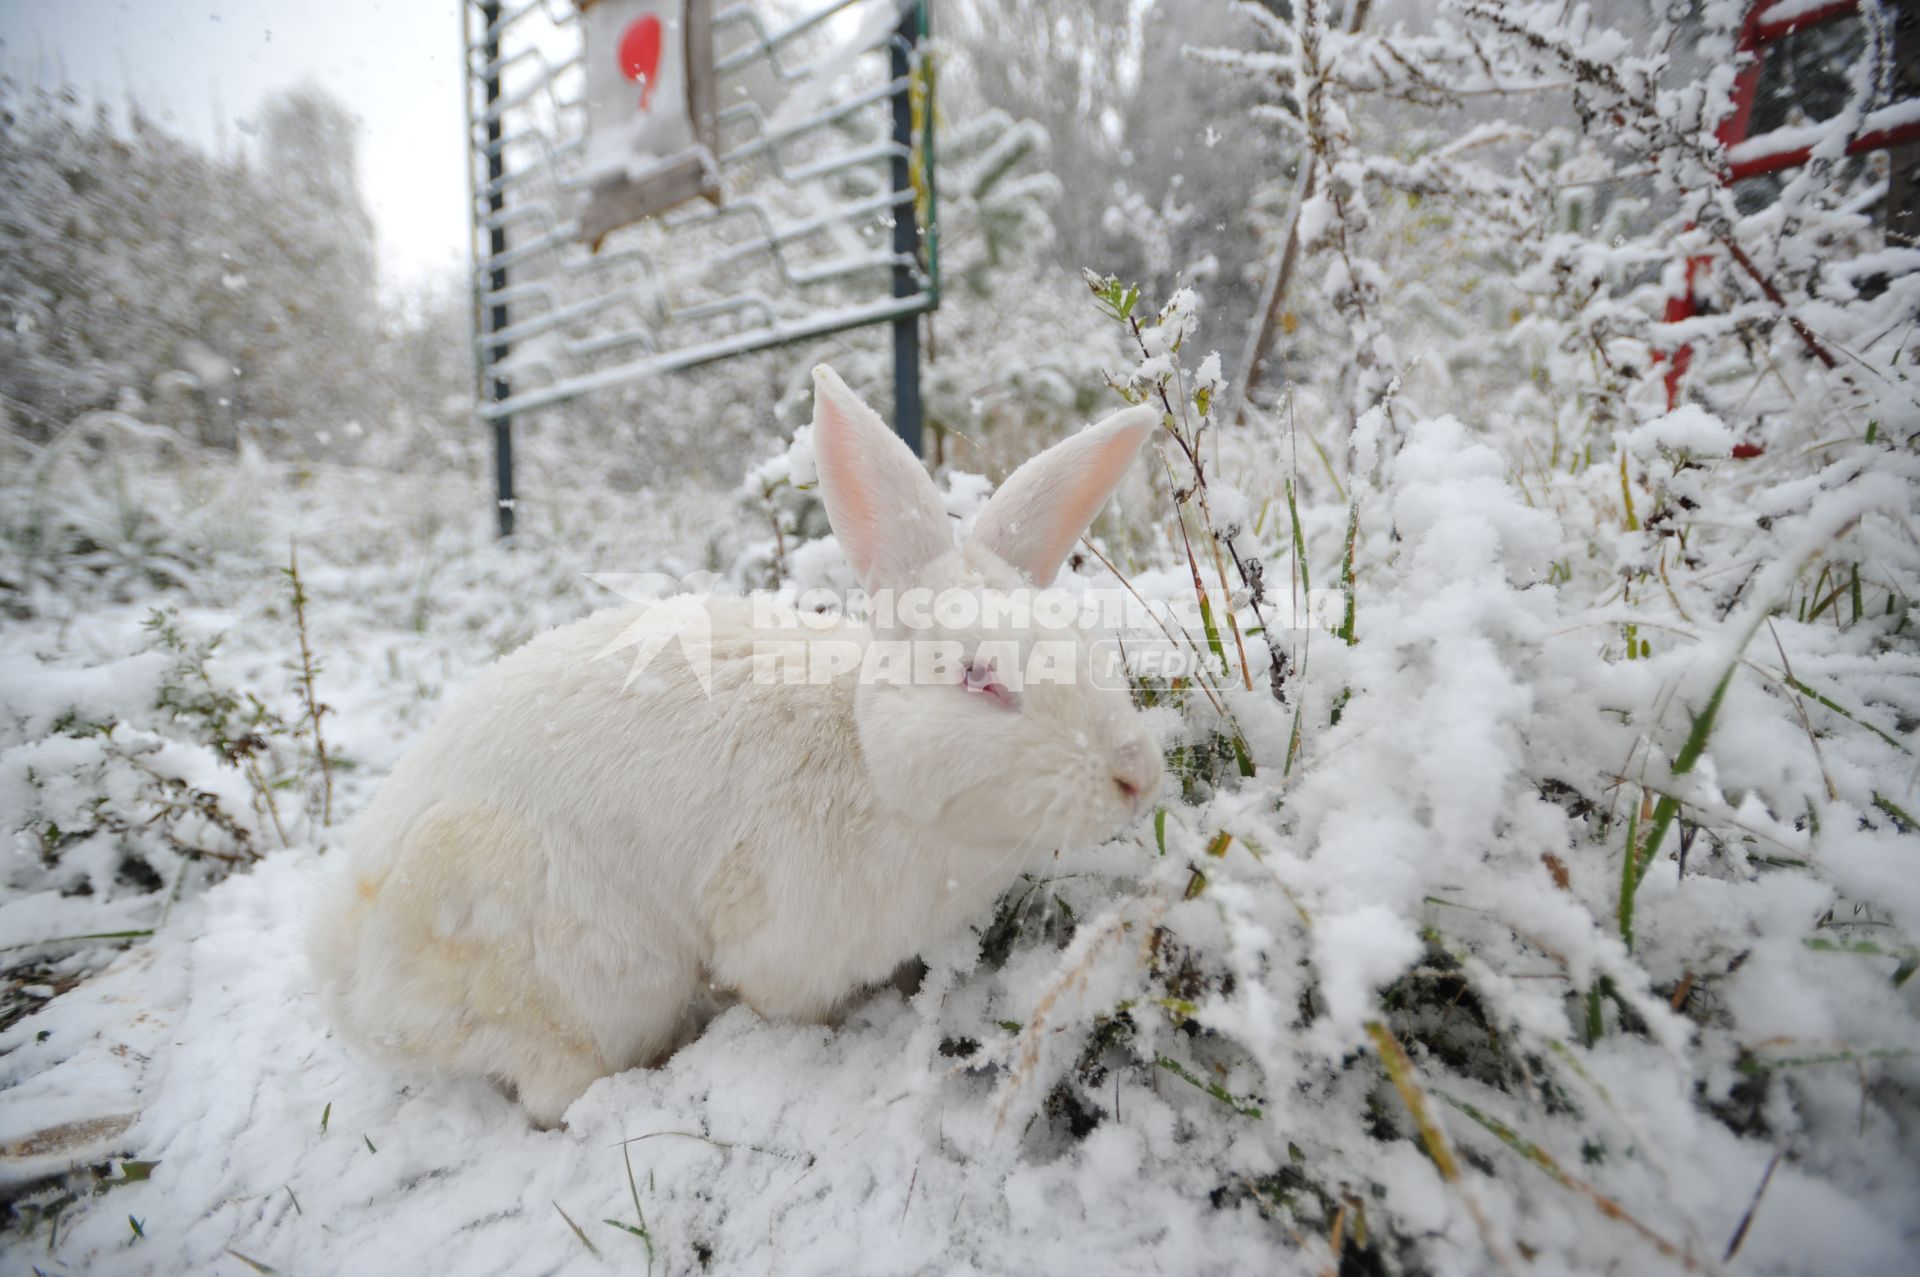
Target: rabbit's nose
1136, 773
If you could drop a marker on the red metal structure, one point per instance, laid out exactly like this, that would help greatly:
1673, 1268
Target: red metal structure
1749, 157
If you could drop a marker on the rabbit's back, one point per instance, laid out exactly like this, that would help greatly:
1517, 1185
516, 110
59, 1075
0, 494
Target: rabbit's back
541, 885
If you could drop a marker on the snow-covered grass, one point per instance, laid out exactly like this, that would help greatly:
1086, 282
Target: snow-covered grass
1516, 916
1533, 885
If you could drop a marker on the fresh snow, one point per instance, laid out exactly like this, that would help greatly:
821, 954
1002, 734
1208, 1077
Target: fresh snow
919, 1134
1490, 614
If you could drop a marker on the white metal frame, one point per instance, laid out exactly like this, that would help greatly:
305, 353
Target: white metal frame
555, 321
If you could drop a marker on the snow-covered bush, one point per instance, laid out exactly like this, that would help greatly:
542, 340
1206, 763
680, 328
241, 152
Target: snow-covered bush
228, 295
1570, 851
112, 509
1513, 877
130, 784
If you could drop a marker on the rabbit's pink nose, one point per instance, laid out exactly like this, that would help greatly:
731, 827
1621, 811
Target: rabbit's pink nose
1136, 773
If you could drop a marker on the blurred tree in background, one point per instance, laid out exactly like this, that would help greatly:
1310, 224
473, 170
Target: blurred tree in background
219, 294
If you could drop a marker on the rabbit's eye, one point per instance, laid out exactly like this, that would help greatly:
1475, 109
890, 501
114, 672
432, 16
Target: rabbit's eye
980, 680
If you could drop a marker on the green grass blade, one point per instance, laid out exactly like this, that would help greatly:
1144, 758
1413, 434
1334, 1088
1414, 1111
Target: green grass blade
1754, 1064
1214, 644
1299, 544
1669, 807
1901, 818
1214, 1089
1346, 574
1844, 712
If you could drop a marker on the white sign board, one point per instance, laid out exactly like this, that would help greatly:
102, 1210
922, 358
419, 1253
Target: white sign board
650, 113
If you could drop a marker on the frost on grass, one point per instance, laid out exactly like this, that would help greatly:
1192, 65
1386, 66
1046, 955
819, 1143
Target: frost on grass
1166, 1050
1533, 880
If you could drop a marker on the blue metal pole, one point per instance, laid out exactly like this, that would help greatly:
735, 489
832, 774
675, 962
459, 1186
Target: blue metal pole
497, 279
906, 237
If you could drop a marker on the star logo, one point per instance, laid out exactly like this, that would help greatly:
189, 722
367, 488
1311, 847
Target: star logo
673, 613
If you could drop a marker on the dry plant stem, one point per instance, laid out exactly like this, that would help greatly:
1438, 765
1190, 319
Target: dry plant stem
1635, 1131
1746, 1220
1029, 1061
166, 804
1719, 815
1193, 564
1401, 1073
1519, 933
1226, 591
1266, 1213
1672, 597
1273, 667
263, 797
1773, 295
1206, 515
1800, 709
1259, 855
1184, 637
779, 537
1276, 295
591, 1248
1545, 1161
1282, 276
1299, 586
314, 708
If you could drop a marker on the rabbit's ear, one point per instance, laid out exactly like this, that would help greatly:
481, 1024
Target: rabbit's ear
1044, 506
885, 511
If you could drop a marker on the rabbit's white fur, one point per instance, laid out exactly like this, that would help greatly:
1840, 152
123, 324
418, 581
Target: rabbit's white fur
571, 864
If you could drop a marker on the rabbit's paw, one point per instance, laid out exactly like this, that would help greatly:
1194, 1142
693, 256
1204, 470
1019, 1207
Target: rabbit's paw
549, 1090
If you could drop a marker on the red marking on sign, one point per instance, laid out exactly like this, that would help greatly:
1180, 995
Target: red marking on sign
640, 56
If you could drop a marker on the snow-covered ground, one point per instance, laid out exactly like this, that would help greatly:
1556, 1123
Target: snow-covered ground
1373, 1001
759, 1148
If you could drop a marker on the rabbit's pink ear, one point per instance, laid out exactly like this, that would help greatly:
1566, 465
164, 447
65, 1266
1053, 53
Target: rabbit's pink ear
1044, 506
885, 511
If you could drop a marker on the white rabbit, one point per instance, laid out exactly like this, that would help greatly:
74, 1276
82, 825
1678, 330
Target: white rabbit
549, 884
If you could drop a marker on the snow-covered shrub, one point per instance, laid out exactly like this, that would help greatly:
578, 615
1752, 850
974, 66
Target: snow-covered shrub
779, 495
130, 784
1568, 859
112, 508
1509, 918
232, 296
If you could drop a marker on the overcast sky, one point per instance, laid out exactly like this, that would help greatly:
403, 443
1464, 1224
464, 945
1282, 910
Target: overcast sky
201, 67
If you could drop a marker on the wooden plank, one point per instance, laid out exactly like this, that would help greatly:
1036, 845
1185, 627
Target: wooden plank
618, 201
